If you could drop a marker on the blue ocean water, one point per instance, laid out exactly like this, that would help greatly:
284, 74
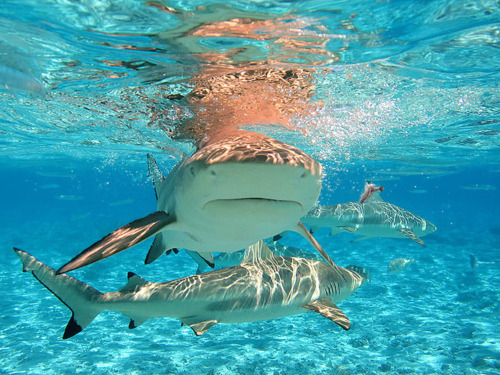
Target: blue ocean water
401, 93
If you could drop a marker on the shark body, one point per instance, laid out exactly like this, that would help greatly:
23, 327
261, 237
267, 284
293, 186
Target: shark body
223, 260
238, 188
263, 286
374, 218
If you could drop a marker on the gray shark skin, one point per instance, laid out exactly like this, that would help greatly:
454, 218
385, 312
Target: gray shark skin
374, 218
262, 287
223, 260
238, 188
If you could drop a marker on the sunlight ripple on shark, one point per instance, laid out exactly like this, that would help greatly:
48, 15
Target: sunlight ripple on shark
223, 260
263, 286
239, 187
373, 218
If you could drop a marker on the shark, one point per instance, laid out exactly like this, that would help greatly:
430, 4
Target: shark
263, 286
373, 218
239, 187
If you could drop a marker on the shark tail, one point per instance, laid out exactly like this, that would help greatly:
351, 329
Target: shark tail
79, 297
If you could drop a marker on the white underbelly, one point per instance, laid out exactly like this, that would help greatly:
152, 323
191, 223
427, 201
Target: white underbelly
234, 225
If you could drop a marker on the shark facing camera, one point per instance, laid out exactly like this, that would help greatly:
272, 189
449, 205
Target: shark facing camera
222, 198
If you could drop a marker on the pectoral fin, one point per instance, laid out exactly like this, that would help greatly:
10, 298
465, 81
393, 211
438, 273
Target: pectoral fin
121, 239
156, 249
302, 230
202, 259
202, 327
329, 310
412, 236
360, 239
348, 229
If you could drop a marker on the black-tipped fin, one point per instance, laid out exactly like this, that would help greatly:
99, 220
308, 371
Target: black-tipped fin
72, 328
202, 327
202, 259
156, 249
174, 250
133, 283
80, 298
136, 322
121, 239
278, 237
329, 310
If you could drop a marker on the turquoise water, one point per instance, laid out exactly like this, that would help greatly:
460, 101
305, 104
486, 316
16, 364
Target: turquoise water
405, 94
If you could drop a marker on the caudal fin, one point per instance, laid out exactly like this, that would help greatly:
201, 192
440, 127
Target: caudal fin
79, 297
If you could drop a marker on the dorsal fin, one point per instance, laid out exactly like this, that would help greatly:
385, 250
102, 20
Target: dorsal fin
375, 197
371, 193
133, 282
257, 252
155, 173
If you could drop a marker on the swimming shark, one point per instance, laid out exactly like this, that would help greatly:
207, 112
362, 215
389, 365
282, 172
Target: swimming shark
263, 286
239, 187
373, 218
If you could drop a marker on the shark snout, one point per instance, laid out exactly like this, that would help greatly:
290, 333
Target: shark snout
247, 180
429, 227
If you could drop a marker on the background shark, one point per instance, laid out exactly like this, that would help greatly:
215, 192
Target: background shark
374, 218
238, 188
264, 286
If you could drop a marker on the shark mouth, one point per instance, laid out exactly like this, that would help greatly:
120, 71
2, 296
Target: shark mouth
244, 207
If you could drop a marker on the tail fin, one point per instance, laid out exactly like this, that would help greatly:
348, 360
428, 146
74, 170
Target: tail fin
80, 298
363, 272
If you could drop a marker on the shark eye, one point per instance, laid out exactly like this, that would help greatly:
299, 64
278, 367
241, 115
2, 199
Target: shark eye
304, 174
212, 173
192, 171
